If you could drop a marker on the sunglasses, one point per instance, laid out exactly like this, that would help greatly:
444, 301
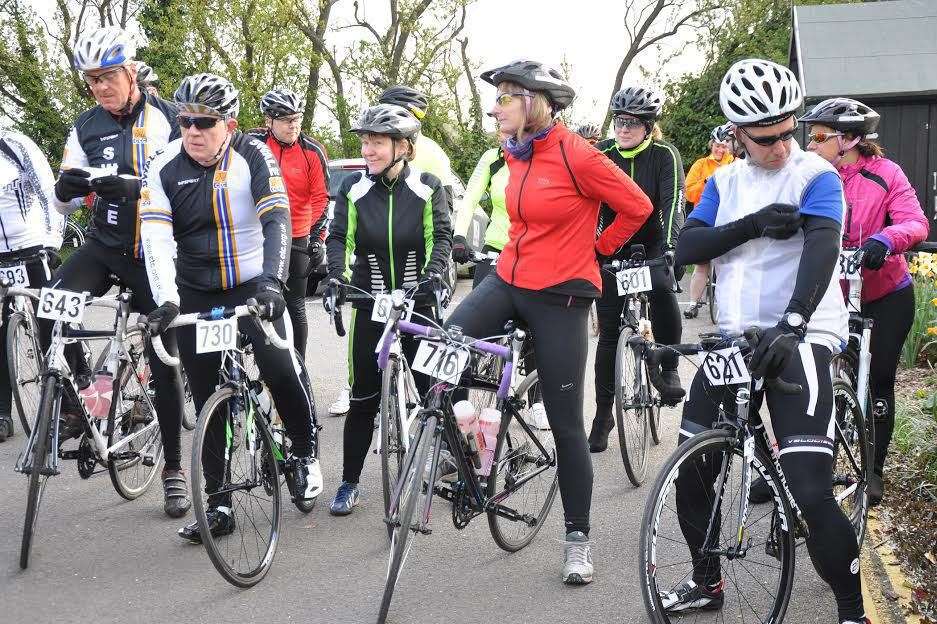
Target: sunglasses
108, 77
506, 98
628, 122
768, 141
822, 137
202, 123
292, 119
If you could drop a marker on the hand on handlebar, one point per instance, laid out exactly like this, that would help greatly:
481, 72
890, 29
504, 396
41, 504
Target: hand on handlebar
775, 350
460, 250
270, 302
334, 296
874, 253
162, 317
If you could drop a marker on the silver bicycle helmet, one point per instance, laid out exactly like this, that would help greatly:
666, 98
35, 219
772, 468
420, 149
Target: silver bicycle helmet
207, 94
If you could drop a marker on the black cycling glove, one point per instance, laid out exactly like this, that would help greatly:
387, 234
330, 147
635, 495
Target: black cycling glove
117, 188
774, 352
270, 301
316, 253
874, 253
460, 250
162, 317
336, 291
779, 221
72, 183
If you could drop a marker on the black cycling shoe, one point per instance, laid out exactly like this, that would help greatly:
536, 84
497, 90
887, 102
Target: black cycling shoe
220, 521
6, 427
875, 489
693, 311
670, 388
602, 425
760, 491
176, 501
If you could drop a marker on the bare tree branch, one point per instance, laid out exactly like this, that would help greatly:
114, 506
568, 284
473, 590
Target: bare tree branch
476, 99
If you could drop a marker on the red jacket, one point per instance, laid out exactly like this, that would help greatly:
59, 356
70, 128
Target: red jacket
305, 169
553, 202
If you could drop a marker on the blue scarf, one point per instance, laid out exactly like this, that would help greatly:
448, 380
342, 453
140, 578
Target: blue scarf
525, 150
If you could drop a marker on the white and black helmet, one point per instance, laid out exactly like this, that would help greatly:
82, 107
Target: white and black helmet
390, 119
279, 103
407, 97
844, 115
722, 134
589, 131
638, 102
103, 48
207, 94
534, 76
146, 75
755, 92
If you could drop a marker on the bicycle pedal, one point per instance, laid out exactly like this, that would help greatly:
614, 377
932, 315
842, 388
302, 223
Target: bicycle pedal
149, 461
73, 454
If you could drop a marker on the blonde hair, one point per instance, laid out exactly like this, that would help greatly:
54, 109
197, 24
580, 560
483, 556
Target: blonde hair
657, 134
540, 114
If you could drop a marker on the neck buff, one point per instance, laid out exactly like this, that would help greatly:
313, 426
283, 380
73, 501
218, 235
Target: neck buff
524, 150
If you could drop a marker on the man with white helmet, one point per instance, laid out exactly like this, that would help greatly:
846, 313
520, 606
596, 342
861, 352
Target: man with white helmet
197, 261
771, 226
106, 151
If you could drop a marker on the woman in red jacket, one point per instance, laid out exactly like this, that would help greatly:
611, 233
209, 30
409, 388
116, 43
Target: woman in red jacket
547, 275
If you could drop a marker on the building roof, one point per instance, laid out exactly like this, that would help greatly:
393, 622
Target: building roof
869, 49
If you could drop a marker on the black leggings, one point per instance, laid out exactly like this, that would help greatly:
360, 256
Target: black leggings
665, 320
802, 427
281, 371
893, 315
295, 294
364, 377
557, 324
89, 269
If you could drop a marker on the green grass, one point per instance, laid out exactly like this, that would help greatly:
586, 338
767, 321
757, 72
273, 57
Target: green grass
914, 440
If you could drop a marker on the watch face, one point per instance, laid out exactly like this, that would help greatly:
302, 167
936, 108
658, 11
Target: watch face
795, 320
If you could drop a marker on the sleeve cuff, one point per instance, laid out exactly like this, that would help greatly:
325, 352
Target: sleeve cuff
880, 237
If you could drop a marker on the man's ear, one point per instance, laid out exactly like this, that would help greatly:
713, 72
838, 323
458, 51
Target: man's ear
232, 124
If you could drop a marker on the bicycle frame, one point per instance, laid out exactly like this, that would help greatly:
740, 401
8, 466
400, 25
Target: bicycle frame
860, 329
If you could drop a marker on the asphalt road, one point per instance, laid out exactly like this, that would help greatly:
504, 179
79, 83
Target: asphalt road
98, 558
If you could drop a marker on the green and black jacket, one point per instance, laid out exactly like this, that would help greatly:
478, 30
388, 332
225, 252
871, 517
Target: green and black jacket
388, 232
656, 167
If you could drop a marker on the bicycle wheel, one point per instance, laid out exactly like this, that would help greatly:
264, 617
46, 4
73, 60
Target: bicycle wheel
38, 474
523, 477
73, 235
711, 298
403, 524
25, 361
631, 414
851, 459
653, 407
134, 464
249, 486
756, 582
394, 400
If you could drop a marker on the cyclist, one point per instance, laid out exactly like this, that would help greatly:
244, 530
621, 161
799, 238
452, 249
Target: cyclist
394, 220
29, 224
147, 78
771, 226
884, 218
305, 169
215, 199
591, 132
105, 153
547, 274
699, 173
639, 150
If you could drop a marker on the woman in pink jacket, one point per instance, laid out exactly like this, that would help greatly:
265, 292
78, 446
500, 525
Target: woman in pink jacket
884, 219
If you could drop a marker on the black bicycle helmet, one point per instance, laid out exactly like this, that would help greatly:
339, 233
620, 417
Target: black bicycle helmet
589, 131
390, 119
845, 115
407, 97
638, 102
534, 76
146, 75
207, 94
279, 103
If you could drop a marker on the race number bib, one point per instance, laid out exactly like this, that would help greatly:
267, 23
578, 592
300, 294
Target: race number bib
634, 280
212, 336
723, 367
443, 362
61, 305
384, 304
16, 274
848, 268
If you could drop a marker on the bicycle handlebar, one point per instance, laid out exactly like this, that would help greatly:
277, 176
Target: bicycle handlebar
407, 290
925, 247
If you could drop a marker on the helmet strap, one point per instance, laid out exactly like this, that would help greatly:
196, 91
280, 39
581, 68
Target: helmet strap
845, 146
134, 87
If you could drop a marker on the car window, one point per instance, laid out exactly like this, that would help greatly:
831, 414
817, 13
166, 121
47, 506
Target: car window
337, 176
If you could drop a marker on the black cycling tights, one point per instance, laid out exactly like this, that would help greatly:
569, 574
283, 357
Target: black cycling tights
665, 321
295, 294
281, 371
90, 268
893, 315
801, 426
557, 324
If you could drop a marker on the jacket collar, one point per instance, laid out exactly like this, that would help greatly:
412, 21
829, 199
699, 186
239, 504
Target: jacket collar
634, 151
848, 170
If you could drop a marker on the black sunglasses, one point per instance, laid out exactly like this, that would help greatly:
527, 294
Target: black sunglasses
767, 141
202, 123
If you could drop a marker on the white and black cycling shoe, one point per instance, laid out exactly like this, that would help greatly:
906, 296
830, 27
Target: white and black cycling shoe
690, 597
308, 478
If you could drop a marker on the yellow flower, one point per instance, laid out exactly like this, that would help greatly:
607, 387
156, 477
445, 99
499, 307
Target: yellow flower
934, 301
932, 331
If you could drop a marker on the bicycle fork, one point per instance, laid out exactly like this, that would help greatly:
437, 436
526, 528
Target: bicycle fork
24, 464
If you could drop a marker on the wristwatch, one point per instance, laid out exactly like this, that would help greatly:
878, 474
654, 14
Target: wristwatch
796, 322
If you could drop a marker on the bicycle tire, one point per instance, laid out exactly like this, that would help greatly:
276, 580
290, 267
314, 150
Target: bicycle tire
22, 342
216, 407
124, 420
851, 435
505, 454
392, 449
631, 416
711, 299
653, 407
402, 538
73, 234
652, 537
37, 480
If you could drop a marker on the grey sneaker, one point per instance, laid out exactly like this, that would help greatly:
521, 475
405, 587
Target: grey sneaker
446, 470
578, 567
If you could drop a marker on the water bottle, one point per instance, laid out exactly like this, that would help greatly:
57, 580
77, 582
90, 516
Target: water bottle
97, 395
466, 419
489, 423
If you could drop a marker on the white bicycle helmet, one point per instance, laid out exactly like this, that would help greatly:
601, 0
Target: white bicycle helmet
146, 75
280, 102
207, 94
390, 119
103, 48
756, 92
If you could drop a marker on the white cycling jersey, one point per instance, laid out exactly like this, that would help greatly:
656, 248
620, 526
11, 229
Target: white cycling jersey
27, 215
755, 281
